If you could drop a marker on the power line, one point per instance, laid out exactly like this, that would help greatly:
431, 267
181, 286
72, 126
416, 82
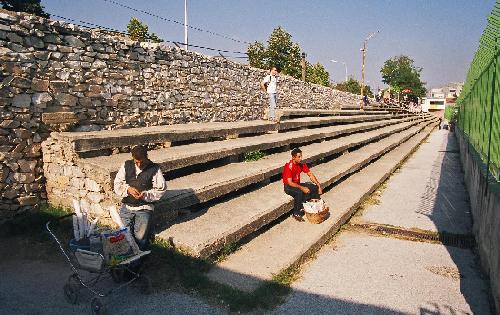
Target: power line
91, 25
177, 22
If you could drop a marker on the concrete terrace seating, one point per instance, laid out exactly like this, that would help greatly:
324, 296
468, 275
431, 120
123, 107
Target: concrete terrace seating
289, 113
215, 221
216, 198
98, 140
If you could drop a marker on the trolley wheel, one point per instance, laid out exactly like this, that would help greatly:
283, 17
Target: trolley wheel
143, 283
71, 289
70, 294
97, 306
117, 274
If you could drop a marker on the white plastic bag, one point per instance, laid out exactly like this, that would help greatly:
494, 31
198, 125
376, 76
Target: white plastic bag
79, 220
118, 220
314, 206
116, 217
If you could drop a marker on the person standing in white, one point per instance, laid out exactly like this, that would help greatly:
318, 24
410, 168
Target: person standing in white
269, 85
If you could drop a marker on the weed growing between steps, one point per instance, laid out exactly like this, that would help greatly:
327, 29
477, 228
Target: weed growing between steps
253, 156
227, 250
287, 276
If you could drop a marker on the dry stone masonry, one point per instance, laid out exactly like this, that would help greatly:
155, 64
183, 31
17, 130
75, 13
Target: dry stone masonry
56, 76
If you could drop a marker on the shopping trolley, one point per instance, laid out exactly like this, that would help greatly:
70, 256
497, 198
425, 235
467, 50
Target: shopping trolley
90, 269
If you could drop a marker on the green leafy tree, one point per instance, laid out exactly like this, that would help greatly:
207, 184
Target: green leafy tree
28, 6
400, 73
317, 74
139, 31
155, 38
257, 55
280, 51
353, 86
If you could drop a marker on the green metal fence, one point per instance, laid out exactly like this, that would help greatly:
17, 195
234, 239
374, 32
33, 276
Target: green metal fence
479, 102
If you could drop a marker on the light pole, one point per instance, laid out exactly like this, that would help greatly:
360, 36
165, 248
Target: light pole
345, 66
363, 53
185, 25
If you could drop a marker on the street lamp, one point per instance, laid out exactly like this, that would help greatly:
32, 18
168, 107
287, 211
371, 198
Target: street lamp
345, 66
363, 53
186, 46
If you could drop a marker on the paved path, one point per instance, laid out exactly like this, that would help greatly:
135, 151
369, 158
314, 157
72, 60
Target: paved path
429, 191
35, 287
362, 273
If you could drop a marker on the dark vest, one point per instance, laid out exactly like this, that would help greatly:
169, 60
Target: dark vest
142, 182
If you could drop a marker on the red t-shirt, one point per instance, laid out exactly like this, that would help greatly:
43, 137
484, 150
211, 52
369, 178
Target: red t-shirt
292, 170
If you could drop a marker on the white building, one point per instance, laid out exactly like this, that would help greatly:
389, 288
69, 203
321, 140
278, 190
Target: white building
439, 98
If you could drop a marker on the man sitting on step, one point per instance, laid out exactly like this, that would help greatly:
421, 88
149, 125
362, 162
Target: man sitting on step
139, 182
301, 192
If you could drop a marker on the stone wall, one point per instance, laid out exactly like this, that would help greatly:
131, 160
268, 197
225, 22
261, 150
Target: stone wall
485, 205
58, 76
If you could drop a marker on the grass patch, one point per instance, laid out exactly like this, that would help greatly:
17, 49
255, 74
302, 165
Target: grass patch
25, 236
171, 269
253, 156
32, 225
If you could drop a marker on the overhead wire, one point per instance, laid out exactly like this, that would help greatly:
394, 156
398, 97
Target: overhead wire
177, 22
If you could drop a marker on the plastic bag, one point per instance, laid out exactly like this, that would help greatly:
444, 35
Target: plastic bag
118, 246
314, 206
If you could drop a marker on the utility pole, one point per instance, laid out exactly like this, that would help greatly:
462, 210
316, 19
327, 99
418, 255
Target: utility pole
303, 64
186, 25
363, 52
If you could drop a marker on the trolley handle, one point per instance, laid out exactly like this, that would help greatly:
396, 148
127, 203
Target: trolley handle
47, 225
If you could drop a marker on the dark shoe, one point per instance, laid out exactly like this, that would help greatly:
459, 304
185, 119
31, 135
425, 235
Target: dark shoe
298, 217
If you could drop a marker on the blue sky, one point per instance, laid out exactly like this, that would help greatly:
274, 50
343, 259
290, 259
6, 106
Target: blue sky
441, 36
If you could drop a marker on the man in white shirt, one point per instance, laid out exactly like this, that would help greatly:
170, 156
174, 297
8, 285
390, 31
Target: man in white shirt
269, 85
140, 183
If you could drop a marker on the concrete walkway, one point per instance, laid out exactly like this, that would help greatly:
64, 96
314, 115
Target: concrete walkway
36, 287
363, 273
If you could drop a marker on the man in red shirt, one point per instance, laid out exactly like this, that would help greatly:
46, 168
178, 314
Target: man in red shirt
301, 192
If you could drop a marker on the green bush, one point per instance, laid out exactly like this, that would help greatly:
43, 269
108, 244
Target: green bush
451, 113
253, 156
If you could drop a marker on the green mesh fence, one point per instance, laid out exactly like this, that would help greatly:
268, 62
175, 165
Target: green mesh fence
479, 102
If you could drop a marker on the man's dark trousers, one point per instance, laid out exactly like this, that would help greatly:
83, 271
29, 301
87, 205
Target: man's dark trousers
300, 197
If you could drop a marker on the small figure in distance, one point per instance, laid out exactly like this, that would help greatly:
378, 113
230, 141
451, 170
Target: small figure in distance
301, 192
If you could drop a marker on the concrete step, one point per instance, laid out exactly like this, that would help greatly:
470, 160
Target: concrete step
108, 139
234, 219
330, 120
290, 243
105, 139
288, 113
375, 107
201, 187
182, 156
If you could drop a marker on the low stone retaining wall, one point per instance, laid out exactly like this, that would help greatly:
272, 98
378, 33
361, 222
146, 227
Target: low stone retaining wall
58, 76
485, 205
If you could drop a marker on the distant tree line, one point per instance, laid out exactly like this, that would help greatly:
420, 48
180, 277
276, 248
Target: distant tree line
282, 52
